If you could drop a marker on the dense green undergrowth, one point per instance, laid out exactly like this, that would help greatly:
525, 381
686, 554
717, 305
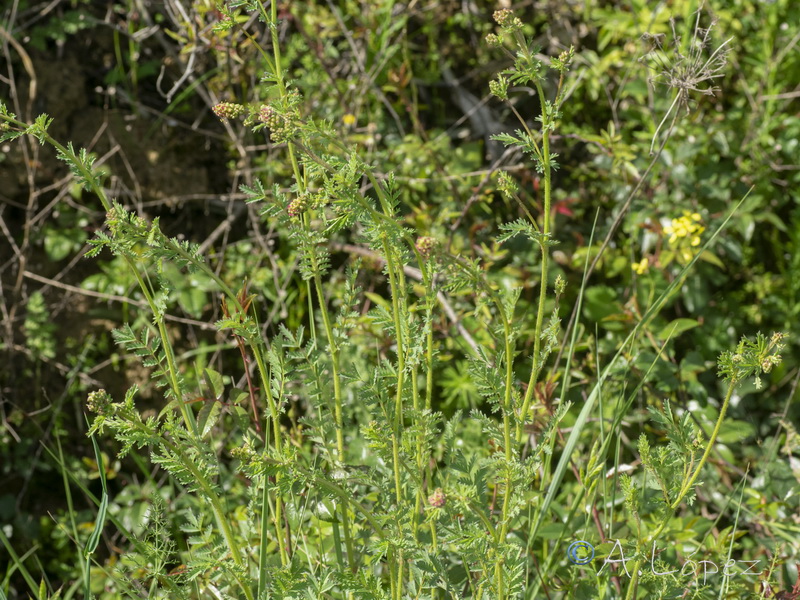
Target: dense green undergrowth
533, 357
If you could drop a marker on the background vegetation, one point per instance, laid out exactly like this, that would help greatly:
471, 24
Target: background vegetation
650, 164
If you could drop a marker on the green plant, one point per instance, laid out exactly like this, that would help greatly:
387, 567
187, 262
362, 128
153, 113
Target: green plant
328, 471
673, 466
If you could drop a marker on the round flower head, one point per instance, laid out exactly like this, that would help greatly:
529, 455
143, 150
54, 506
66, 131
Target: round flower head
267, 115
425, 245
99, 402
506, 19
437, 499
297, 207
503, 16
493, 40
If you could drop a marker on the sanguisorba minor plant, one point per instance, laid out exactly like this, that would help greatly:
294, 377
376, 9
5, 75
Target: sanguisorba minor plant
378, 495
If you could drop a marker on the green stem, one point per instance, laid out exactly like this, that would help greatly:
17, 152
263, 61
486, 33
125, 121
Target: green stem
337, 397
429, 350
390, 558
685, 489
420, 468
276, 427
397, 286
276, 50
345, 497
537, 334
428, 363
507, 412
398, 412
172, 368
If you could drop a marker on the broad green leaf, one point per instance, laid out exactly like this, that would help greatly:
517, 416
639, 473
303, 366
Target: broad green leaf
732, 432
379, 300
677, 327
710, 257
551, 531
208, 416
61, 243
600, 303
242, 417
193, 300
214, 379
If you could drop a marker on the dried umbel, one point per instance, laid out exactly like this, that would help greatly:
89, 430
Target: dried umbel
690, 72
686, 73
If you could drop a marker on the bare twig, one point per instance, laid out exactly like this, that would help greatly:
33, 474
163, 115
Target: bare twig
113, 298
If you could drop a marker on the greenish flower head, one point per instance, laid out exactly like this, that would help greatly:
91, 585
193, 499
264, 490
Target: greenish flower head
752, 358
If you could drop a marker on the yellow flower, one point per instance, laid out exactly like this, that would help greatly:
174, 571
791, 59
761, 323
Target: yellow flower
349, 119
641, 266
687, 226
670, 231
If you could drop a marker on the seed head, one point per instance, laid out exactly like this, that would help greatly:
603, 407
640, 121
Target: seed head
245, 454
564, 59
777, 337
561, 285
686, 74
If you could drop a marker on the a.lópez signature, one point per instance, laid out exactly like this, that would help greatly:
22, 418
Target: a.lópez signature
581, 553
